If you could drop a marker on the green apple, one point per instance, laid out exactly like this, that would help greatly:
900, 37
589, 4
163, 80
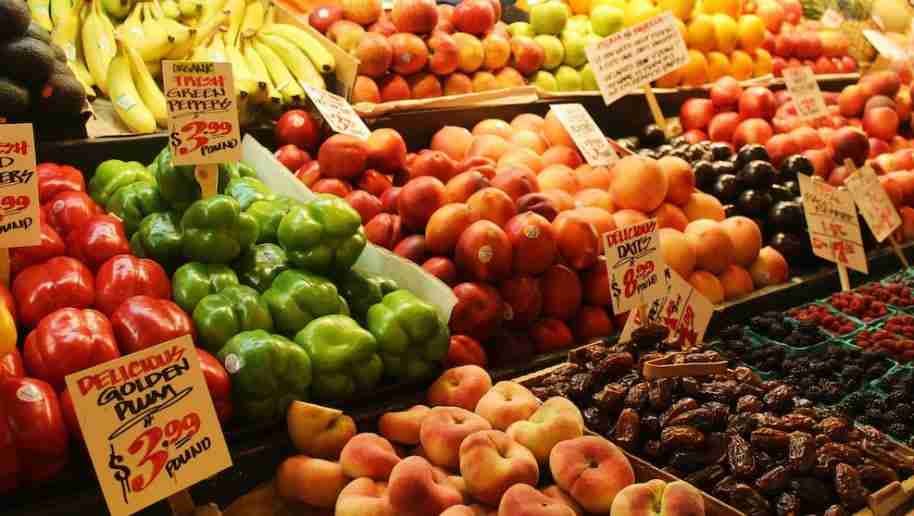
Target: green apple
578, 23
575, 44
544, 81
555, 51
568, 79
606, 19
549, 17
521, 28
588, 81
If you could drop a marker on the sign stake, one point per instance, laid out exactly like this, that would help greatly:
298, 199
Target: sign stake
898, 252
655, 108
208, 178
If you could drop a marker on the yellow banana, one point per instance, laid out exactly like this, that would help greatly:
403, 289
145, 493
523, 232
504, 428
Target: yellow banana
259, 71
41, 13
292, 92
157, 42
98, 45
245, 82
296, 60
211, 8
60, 9
85, 79
66, 31
131, 30
171, 10
128, 104
235, 17
118, 9
190, 8
323, 60
254, 13
184, 39
146, 86
207, 28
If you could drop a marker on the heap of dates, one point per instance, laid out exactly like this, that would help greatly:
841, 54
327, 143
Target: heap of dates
754, 444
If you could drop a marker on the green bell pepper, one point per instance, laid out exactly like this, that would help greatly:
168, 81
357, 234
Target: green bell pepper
216, 230
115, 174
411, 337
229, 171
268, 214
159, 237
362, 290
344, 357
268, 372
177, 184
229, 312
246, 190
132, 203
296, 298
193, 281
260, 265
323, 235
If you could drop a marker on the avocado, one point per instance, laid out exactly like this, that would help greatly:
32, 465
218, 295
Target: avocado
16, 17
14, 99
30, 59
62, 94
38, 32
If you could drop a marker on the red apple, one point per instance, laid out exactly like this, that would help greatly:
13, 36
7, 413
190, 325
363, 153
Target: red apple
384, 230
523, 301
332, 187
532, 241
292, 157
322, 17
409, 51
342, 156
562, 292
366, 204
757, 102
414, 16
478, 311
374, 183
725, 93
419, 199
443, 53
298, 127
753, 130
780, 146
412, 248
850, 143
441, 268
484, 252
881, 122
723, 125
386, 150
474, 16
696, 113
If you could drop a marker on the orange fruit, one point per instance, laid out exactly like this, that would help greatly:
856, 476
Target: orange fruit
701, 33
695, 72
751, 32
718, 66
763, 63
726, 33
672, 79
741, 65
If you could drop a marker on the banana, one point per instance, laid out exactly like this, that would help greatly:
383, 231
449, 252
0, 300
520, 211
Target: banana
83, 77
66, 31
146, 86
236, 16
157, 42
41, 13
117, 9
292, 92
307, 43
216, 49
190, 8
245, 81
171, 9
131, 30
207, 28
296, 60
259, 71
99, 45
60, 9
211, 8
128, 104
184, 39
254, 13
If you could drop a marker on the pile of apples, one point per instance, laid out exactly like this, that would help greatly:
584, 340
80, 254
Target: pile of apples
809, 44
478, 450
420, 50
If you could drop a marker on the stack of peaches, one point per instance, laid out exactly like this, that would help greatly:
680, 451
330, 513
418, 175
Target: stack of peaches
480, 450
420, 50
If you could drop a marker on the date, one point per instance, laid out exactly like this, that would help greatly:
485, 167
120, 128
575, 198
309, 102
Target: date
678, 407
700, 418
627, 432
675, 437
835, 428
637, 396
660, 393
769, 439
842, 452
788, 504
749, 404
801, 452
610, 398
849, 487
740, 457
773, 480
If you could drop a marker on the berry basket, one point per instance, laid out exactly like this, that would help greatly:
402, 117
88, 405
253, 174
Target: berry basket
901, 377
894, 335
831, 321
891, 414
775, 327
898, 295
742, 347
860, 307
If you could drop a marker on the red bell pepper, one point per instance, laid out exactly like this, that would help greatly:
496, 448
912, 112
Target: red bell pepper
219, 384
57, 283
33, 437
124, 276
51, 245
54, 178
69, 210
6, 297
142, 321
67, 341
11, 365
100, 238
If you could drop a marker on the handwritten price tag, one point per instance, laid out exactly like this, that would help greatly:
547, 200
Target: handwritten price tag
149, 424
629, 59
635, 265
832, 220
18, 187
586, 134
202, 112
804, 90
872, 201
338, 113
683, 310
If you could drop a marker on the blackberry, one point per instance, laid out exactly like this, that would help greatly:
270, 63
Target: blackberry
855, 402
873, 414
732, 332
896, 398
905, 411
899, 430
852, 371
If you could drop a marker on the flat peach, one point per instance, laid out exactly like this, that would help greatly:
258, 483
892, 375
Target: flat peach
660, 498
524, 500
444, 429
556, 493
416, 488
368, 455
403, 427
554, 421
318, 431
592, 470
364, 497
491, 462
460, 387
507, 403
315, 482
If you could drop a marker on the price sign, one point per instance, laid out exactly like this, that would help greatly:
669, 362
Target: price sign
832, 19
586, 134
629, 59
832, 221
804, 90
884, 45
872, 201
683, 310
635, 265
202, 112
338, 113
149, 424
18, 187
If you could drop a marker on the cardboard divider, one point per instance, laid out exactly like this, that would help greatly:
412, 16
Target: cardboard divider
519, 95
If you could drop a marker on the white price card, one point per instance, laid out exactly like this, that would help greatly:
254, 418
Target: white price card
630, 59
831, 19
634, 265
149, 424
804, 90
586, 134
884, 45
202, 112
832, 221
683, 311
19, 204
873, 202
338, 113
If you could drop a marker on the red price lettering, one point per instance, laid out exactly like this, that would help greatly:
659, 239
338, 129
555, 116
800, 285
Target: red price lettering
630, 282
149, 443
201, 131
14, 202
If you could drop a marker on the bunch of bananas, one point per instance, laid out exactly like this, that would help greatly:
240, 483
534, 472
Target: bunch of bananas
117, 46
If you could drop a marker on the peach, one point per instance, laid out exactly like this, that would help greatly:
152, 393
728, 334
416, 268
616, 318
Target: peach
527, 55
562, 292
703, 206
516, 182
497, 50
555, 132
465, 510
481, 164
509, 77
491, 204
384, 230
659, 497
346, 34
409, 53
432, 163
746, 238
491, 462
374, 54
342, 157
551, 335
478, 311
416, 488
316, 482
419, 199
529, 121
364, 497
335, 187
494, 126
680, 178
472, 52
591, 322
677, 251
523, 157
556, 493
533, 243
318, 431
488, 145
530, 140
365, 89
458, 84
737, 282
484, 81
563, 155
594, 198
592, 177
625, 218
368, 455
523, 500
403, 427
453, 141
523, 301
444, 429
484, 251
713, 248
424, 86
363, 12
442, 268
592, 470
670, 216
538, 203
443, 53
445, 226
770, 268
460, 387
464, 185
412, 248
595, 281
708, 285
415, 16
386, 151
556, 420
383, 25
638, 183
506, 403
558, 177
393, 88
577, 239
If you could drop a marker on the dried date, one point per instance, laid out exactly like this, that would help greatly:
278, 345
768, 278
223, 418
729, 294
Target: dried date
723, 392
842, 452
719, 413
637, 395
652, 449
801, 452
749, 404
715, 447
835, 428
707, 477
650, 426
748, 500
773, 480
700, 418
581, 385
660, 394
835, 510
675, 437
788, 504
688, 461
746, 375
614, 364
680, 406
741, 424
740, 457
779, 399
766, 419
813, 493
627, 432
764, 461
769, 439
849, 487
691, 386
795, 421
596, 419
610, 398
875, 475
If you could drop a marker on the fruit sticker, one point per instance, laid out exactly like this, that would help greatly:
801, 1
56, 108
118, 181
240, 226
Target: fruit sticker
832, 220
872, 201
202, 112
586, 134
631, 58
149, 424
18, 187
338, 113
804, 90
635, 265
